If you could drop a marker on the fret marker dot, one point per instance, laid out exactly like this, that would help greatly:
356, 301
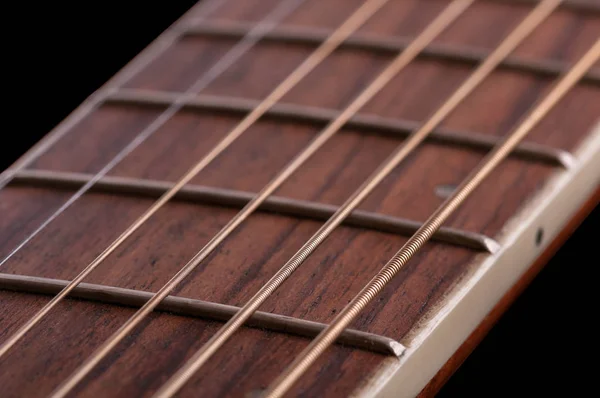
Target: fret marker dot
445, 190
539, 236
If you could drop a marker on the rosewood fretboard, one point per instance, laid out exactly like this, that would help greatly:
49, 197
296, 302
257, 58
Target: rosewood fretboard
94, 134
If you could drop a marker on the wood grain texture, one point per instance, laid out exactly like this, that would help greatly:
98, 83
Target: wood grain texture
339, 268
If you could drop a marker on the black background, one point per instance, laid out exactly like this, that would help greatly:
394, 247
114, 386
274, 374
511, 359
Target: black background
57, 54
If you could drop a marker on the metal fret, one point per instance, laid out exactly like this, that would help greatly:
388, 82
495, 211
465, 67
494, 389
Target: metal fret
400, 128
201, 309
234, 198
386, 45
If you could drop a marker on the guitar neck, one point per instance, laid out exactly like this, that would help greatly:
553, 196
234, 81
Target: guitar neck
137, 139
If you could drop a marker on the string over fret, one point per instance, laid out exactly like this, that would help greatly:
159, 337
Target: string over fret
369, 124
275, 204
199, 308
386, 45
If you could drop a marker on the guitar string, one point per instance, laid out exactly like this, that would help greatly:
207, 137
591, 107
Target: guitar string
148, 55
358, 17
309, 355
242, 47
218, 68
533, 19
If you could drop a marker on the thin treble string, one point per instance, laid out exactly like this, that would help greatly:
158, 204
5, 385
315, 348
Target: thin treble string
361, 15
490, 63
157, 48
225, 62
351, 311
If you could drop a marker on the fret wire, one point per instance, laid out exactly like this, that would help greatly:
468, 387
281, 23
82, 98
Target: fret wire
199, 308
371, 124
149, 54
357, 19
279, 13
276, 204
205, 310
309, 355
529, 23
383, 44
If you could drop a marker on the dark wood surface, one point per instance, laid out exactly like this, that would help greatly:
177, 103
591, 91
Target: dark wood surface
246, 260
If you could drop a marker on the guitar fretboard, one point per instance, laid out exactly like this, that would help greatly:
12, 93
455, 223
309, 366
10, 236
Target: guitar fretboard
76, 155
